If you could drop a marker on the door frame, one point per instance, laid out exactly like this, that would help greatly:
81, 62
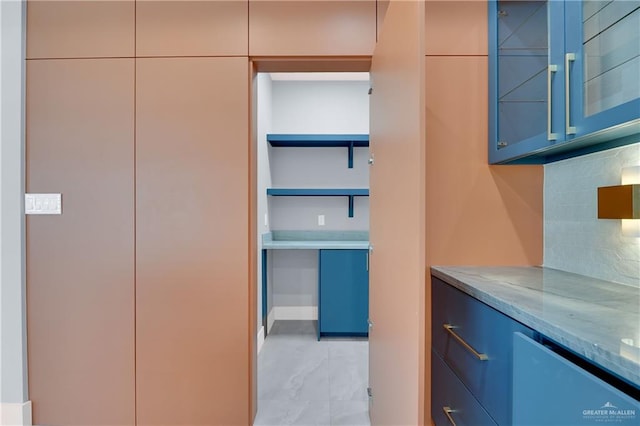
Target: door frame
266, 65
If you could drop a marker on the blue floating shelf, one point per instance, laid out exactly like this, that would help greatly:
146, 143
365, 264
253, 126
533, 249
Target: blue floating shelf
348, 141
320, 192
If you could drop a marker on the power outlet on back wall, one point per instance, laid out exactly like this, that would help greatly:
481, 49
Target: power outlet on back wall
320, 220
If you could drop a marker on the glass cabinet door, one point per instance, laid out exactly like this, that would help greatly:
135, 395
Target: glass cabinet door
526, 84
603, 59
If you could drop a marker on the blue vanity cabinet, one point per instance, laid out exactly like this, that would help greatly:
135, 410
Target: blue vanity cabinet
563, 78
343, 306
602, 65
550, 390
526, 88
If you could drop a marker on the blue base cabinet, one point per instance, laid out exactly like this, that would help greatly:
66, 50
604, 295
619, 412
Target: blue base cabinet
488, 368
474, 342
343, 306
550, 390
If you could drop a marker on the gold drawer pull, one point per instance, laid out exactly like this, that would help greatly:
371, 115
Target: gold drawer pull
447, 412
449, 328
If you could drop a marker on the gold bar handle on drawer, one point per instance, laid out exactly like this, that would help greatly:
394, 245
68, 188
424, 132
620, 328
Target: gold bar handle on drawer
447, 412
449, 328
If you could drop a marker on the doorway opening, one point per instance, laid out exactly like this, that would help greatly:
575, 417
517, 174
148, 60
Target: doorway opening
312, 226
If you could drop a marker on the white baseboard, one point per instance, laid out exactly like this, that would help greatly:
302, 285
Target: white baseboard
260, 338
271, 318
18, 414
295, 312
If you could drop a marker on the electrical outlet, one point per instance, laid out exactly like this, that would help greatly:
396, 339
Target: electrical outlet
266, 220
320, 220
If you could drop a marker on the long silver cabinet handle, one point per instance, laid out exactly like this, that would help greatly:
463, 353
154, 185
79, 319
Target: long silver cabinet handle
550, 136
450, 328
447, 412
568, 58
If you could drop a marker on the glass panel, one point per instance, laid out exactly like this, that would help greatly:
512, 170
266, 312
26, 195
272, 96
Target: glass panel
522, 63
611, 46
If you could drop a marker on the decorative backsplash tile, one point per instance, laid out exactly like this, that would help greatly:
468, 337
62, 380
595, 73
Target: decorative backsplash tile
575, 240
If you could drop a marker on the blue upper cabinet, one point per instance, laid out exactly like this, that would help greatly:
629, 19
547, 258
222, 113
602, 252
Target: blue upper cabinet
603, 59
563, 78
526, 88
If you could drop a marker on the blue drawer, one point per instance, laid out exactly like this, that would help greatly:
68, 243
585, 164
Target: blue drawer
485, 330
449, 394
550, 390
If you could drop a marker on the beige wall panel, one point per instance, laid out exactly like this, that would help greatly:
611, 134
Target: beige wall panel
192, 28
311, 27
80, 29
456, 27
192, 236
479, 214
381, 11
397, 265
313, 64
80, 265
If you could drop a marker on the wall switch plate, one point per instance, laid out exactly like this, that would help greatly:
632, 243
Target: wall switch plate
43, 203
320, 220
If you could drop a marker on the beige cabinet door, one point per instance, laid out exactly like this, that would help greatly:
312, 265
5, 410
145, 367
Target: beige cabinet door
397, 224
312, 27
80, 264
192, 28
192, 241
80, 29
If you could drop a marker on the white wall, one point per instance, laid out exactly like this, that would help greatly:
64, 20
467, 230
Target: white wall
320, 168
296, 275
318, 107
14, 405
575, 240
264, 109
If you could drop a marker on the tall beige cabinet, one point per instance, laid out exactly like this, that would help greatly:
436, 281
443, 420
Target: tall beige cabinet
192, 213
80, 265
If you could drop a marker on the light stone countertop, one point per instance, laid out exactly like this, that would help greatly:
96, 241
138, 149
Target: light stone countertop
295, 240
586, 315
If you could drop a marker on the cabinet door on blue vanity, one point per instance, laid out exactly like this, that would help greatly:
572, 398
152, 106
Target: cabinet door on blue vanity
344, 292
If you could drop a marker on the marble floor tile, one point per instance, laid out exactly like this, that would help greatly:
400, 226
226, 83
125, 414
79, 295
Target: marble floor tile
293, 368
303, 381
295, 380
288, 413
348, 371
350, 413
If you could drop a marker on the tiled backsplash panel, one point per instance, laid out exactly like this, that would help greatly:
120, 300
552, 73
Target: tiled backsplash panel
575, 240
